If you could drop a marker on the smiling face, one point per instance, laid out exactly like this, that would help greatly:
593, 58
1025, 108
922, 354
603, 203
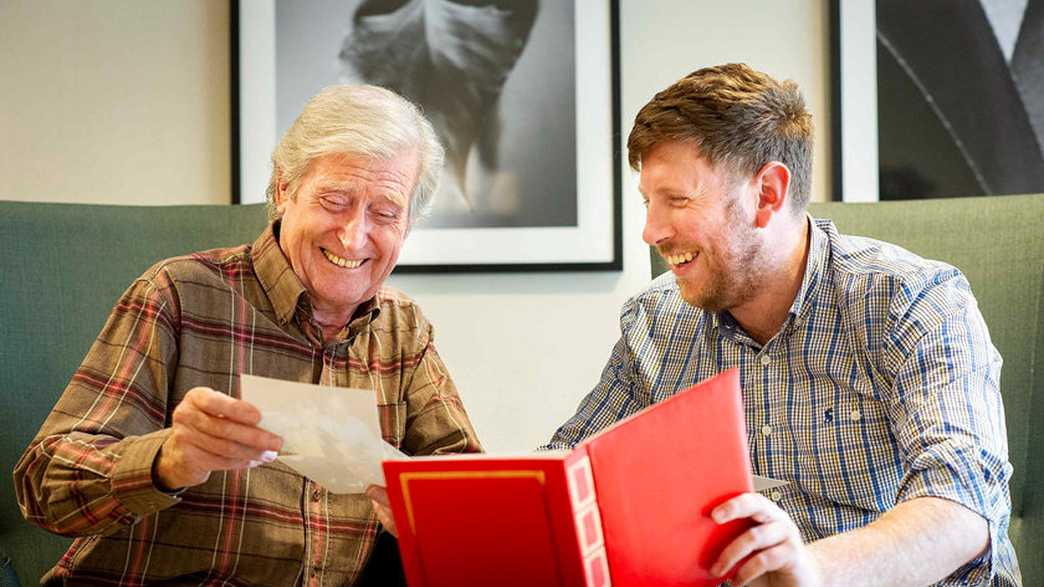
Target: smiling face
344, 227
701, 220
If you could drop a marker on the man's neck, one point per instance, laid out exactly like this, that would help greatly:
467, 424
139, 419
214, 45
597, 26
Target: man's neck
332, 322
766, 312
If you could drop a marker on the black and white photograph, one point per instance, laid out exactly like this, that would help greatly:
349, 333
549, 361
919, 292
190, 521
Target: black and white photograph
960, 97
509, 90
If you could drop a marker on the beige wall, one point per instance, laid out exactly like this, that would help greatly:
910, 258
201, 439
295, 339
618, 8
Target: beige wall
127, 102
788, 39
123, 101
115, 101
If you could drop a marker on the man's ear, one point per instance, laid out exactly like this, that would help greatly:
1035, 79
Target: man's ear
773, 184
281, 195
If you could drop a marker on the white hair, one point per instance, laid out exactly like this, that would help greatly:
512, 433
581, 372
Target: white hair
360, 120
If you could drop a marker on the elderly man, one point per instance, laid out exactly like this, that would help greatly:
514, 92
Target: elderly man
869, 380
151, 460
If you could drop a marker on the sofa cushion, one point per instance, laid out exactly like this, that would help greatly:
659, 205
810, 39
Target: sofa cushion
63, 267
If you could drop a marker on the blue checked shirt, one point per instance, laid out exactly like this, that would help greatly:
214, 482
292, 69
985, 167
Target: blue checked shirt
881, 386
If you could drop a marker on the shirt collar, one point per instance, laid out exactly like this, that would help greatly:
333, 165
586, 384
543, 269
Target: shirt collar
818, 252
273, 270
285, 290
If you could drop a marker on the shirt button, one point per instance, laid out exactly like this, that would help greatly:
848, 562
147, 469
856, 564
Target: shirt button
317, 494
766, 429
765, 360
775, 495
855, 415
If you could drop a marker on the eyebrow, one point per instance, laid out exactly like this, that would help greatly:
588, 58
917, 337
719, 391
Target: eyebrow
671, 193
399, 200
335, 188
339, 188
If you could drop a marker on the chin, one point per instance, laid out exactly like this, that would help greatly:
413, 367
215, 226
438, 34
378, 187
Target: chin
708, 301
692, 295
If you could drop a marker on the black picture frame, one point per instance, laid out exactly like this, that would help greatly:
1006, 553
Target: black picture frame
936, 99
502, 246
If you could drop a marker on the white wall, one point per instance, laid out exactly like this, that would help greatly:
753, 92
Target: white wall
114, 101
525, 348
127, 101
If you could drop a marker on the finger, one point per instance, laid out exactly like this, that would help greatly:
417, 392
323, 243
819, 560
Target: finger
220, 463
754, 539
385, 517
748, 505
189, 435
224, 406
215, 427
766, 561
379, 495
194, 458
383, 514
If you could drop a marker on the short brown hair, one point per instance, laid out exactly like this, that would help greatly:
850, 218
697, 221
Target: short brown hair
733, 115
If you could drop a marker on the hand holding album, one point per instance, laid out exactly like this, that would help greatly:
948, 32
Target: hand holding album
629, 506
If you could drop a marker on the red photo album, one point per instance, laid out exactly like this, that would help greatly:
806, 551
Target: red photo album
628, 506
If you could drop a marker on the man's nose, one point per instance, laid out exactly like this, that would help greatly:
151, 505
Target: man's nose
354, 231
657, 226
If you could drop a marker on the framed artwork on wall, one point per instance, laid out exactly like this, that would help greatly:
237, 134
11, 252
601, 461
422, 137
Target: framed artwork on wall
523, 94
955, 93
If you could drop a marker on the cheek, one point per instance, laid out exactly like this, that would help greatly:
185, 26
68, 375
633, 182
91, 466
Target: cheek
699, 233
728, 256
389, 244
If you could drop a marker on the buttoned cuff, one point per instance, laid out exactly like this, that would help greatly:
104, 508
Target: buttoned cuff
132, 482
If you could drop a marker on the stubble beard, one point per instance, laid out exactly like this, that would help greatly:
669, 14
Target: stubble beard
733, 271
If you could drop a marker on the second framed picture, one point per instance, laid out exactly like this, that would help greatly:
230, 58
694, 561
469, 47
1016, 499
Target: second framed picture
523, 94
938, 99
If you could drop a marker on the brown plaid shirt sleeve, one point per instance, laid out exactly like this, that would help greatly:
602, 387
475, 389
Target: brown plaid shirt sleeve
202, 320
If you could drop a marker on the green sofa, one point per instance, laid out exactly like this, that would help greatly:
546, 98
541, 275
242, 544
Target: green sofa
998, 243
64, 265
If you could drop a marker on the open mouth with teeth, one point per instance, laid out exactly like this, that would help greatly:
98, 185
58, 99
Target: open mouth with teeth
680, 259
341, 262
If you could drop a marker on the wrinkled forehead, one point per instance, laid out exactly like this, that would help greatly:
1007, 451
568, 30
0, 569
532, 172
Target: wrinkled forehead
393, 178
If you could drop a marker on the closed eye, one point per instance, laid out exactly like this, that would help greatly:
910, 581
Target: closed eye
334, 201
387, 213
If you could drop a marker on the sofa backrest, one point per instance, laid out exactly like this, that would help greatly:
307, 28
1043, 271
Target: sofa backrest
62, 267
998, 242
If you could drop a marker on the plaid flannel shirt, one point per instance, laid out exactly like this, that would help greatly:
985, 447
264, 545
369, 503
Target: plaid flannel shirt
881, 386
201, 320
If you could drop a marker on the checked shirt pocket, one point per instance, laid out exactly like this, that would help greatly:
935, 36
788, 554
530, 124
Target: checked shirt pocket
849, 454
